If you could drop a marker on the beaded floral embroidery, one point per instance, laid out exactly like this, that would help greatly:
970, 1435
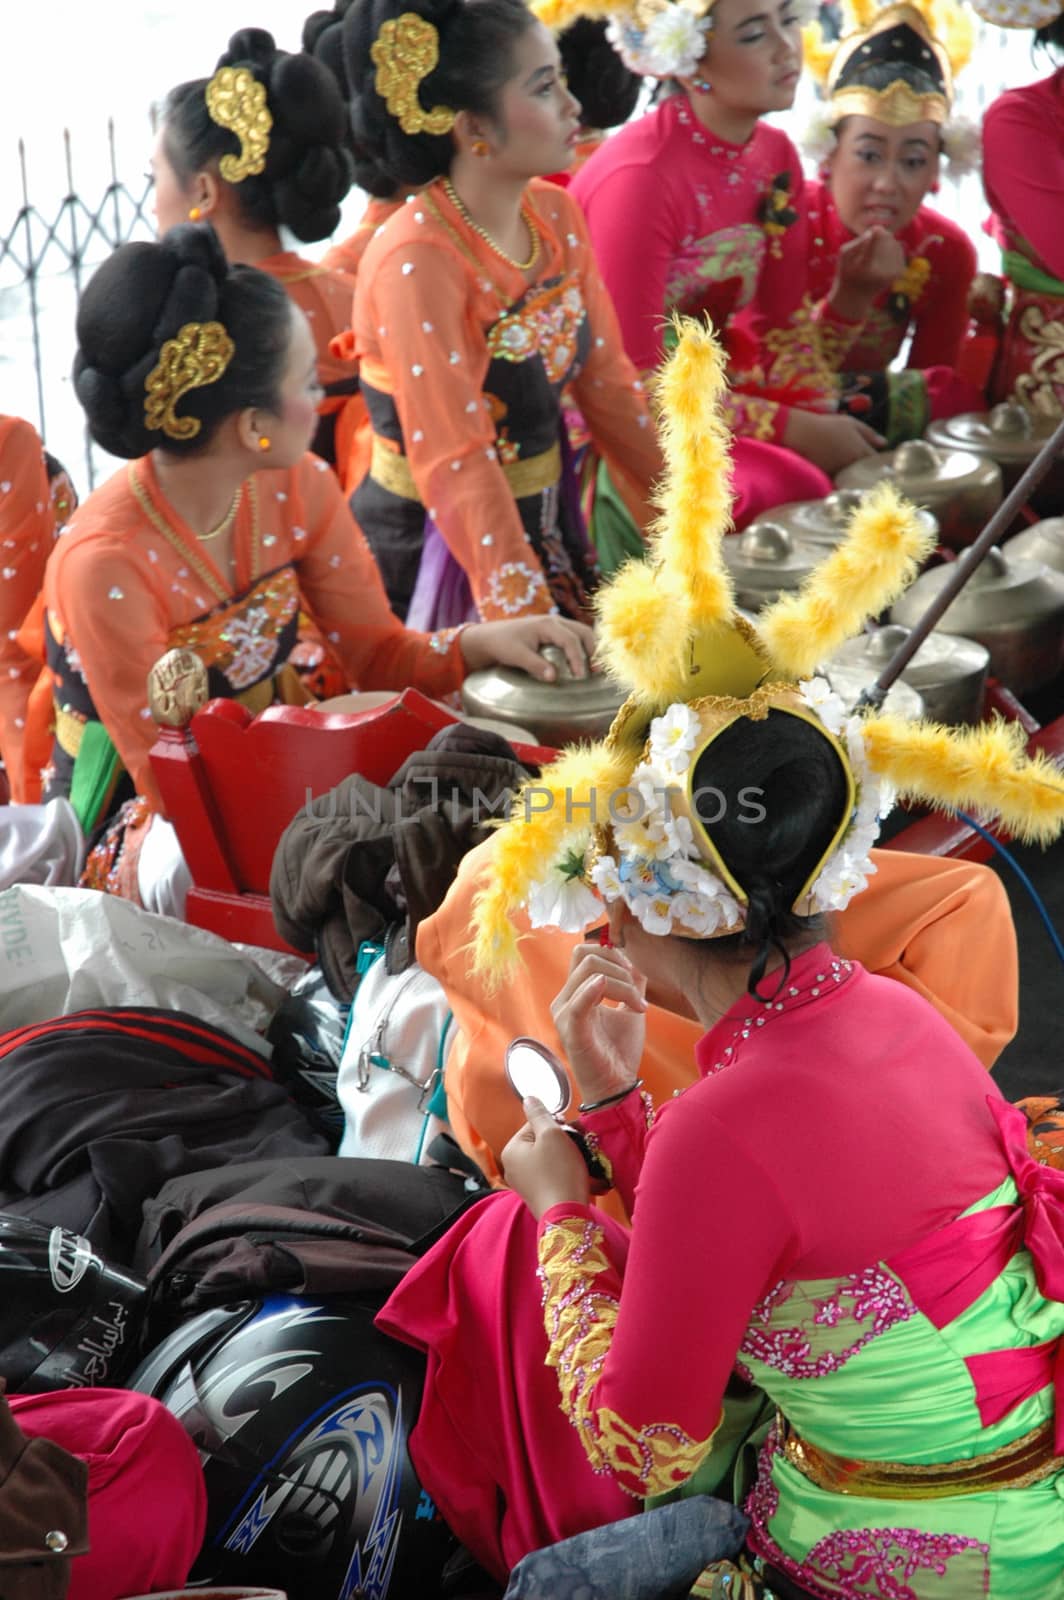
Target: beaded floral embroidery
866, 1563
513, 588
243, 640
580, 1318
547, 323
825, 1324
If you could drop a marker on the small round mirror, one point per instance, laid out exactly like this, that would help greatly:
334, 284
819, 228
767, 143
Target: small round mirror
534, 1070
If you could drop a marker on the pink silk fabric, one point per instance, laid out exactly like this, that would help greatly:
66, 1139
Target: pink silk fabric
949, 1271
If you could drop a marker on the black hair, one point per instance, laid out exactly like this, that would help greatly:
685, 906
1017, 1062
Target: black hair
1051, 37
141, 297
606, 89
782, 767
477, 38
308, 165
323, 39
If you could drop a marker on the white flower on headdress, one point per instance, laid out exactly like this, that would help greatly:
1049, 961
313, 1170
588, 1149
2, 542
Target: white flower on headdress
562, 899
605, 877
824, 703
653, 911
674, 42
643, 823
699, 915
841, 879
962, 146
819, 138
673, 738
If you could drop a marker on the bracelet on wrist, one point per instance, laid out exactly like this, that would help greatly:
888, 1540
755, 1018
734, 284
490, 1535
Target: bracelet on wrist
587, 1106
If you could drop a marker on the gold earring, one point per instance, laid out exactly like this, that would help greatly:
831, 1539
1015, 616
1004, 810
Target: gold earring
264, 443
480, 147
195, 214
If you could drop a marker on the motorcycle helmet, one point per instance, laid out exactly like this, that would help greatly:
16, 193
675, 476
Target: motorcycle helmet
301, 1411
73, 1322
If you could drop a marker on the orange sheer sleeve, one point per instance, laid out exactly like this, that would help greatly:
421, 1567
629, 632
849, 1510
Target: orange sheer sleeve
27, 527
340, 583
420, 341
103, 597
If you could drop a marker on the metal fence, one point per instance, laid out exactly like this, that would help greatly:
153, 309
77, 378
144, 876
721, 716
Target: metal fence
44, 262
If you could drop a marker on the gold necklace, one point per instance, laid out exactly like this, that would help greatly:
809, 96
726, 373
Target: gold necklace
459, 205
226, 520
174, 539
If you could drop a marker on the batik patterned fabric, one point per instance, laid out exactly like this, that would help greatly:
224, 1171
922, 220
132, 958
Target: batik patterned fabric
463, 368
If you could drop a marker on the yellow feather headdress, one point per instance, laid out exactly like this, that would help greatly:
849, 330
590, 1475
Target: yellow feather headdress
619, 820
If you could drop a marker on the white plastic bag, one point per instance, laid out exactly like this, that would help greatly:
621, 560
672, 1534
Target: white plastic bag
390, 1083
64, 950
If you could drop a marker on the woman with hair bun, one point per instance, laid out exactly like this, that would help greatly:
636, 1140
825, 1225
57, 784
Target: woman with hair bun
260, 146
607, 90
1023, 175
220, 530
476, 306
323, 39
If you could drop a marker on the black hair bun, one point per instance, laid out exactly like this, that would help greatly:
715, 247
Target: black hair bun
143, 295
607, 90
323, 39
476, 49
308, 167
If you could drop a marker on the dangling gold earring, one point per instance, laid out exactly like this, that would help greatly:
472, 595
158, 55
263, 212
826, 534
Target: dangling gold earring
480, 147
195, 214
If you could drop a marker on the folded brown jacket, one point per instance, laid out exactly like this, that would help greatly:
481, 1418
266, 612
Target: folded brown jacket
43, 1513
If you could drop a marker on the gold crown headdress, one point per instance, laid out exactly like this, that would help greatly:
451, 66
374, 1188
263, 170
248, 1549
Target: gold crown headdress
931, 40
404, 52
196, 357
236, 101
620, 817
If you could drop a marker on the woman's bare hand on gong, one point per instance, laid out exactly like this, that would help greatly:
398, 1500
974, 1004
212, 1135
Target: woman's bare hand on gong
603, 1042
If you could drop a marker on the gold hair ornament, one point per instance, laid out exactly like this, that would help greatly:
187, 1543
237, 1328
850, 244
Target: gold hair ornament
405, 51
621, 822
236, 101
196, 357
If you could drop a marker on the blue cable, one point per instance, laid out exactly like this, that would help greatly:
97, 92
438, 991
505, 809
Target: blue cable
1058, 943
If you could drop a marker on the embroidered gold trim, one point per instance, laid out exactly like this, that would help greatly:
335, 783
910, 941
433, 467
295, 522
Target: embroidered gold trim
526, 478
195, 358
1040, 388
237, 101
1017, 1465
896, 105
405, 51
580, 1323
